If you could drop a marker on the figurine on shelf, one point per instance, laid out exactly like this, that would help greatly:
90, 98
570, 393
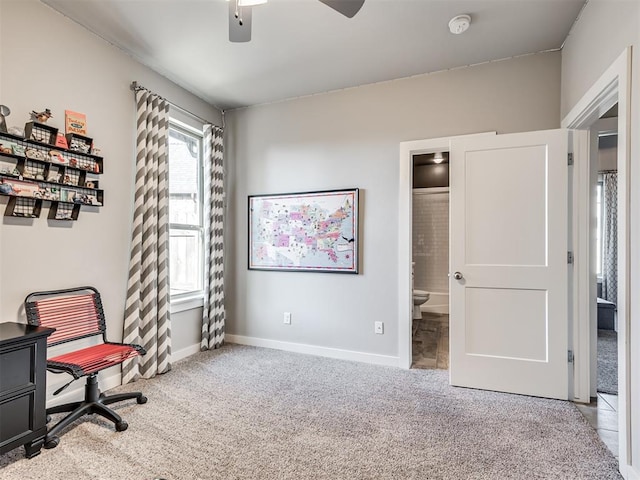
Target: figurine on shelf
4, 112
18, 150
41, 117
55, 156
34, 154
6, 188
4, 149
84, 199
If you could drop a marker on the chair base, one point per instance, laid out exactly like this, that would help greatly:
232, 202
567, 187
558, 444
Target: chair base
94, 403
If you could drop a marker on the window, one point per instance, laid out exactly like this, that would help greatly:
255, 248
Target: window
186, 234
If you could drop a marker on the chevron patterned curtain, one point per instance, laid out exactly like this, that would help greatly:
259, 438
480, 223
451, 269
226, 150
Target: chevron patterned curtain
147, 319
610, 237
213, 312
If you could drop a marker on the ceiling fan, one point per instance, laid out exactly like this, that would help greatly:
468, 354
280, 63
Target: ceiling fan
240, 15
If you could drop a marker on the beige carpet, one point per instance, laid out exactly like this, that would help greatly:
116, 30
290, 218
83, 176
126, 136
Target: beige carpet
251, 413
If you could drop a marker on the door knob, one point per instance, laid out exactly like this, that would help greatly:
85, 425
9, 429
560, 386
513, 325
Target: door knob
457, 276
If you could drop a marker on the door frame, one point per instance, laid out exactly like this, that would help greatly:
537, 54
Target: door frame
613, 86
405, 232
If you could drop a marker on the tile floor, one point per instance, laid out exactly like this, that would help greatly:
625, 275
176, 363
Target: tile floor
431, 341
602, 414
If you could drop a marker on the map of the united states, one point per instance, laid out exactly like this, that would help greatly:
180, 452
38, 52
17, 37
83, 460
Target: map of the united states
303, 231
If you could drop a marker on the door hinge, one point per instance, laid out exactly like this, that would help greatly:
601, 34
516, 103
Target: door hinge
570, 158
570, 258
570, 356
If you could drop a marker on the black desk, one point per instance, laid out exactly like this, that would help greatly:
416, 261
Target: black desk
23, 375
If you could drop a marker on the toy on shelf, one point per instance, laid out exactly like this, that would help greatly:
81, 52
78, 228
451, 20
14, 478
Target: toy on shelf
41, 117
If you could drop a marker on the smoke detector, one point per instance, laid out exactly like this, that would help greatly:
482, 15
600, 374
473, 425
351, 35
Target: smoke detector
459, 24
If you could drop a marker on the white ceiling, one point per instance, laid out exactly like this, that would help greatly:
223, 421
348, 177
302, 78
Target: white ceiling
302, 47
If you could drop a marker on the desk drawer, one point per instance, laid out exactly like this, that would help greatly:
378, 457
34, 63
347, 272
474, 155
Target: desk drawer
17, 418
17, 370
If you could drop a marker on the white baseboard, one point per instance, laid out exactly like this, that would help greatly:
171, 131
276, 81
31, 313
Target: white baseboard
314, 350
631, 473
185, 352
75, 391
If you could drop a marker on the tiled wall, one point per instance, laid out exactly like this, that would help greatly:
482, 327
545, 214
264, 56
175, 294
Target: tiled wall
431, 240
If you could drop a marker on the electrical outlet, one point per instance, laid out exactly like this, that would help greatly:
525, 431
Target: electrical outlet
287, 318
379, 328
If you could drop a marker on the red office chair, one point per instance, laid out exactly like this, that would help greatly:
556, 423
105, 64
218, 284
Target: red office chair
77, 313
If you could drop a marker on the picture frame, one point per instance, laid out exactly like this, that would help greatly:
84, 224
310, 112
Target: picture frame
304, 232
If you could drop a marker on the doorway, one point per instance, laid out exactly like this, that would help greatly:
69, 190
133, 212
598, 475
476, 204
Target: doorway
430, 261
602, 411
612, 88
405, 231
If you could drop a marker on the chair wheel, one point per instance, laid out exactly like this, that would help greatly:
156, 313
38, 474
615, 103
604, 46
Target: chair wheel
51, 442
122, 426
142, 399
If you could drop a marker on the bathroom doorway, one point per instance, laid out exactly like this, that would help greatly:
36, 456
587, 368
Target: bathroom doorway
430, 260
409, 150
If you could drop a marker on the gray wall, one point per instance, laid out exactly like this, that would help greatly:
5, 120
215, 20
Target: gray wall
603, 31
50, 62
350, 138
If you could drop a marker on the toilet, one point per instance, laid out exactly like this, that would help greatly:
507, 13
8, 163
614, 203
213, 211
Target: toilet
419, 297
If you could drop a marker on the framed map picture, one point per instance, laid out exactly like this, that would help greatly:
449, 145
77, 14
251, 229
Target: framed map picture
310, 232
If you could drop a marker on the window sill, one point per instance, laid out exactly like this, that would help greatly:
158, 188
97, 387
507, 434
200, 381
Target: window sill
186, 303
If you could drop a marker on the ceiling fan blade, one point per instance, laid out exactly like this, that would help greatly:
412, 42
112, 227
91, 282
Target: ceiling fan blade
348, 8
238, 32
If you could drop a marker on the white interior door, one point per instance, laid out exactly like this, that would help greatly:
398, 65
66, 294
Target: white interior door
509, 227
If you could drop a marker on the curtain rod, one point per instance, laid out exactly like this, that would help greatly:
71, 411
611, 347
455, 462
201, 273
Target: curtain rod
135, 86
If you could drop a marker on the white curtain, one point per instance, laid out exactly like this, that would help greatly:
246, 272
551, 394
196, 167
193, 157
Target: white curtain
213, 318
610, 237
147, 318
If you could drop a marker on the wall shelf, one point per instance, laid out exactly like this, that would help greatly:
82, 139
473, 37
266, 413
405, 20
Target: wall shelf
32, 172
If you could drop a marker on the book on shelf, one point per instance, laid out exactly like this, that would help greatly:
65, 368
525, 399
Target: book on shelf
75, 122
